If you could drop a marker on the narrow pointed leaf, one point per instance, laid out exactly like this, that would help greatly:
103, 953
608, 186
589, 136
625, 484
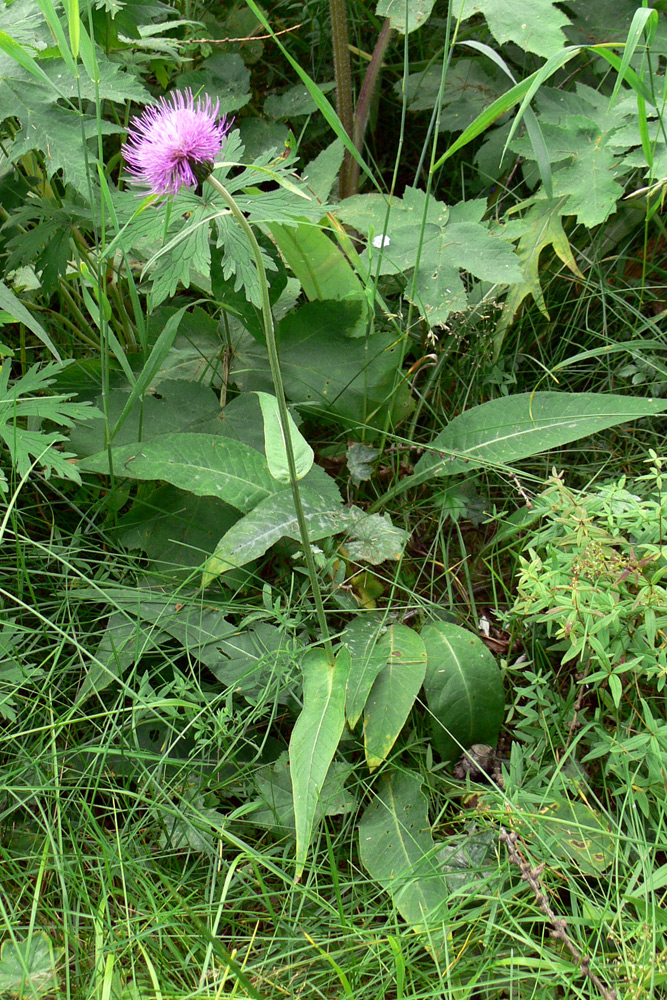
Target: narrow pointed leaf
204, 464
315, 738
505, 430
367, 658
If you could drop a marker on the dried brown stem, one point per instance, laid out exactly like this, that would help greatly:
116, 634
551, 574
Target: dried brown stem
559, 925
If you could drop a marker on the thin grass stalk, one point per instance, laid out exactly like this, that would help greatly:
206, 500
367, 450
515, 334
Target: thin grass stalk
274, 364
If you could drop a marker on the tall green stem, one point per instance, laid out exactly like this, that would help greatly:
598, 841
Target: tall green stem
274, 364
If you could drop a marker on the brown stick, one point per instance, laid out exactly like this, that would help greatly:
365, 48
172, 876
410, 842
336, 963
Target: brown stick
559, 924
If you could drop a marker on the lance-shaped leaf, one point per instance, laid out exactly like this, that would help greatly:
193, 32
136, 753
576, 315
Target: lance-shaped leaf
315, 738
367, 658
271, 520
505, 430
205, 464
394, 691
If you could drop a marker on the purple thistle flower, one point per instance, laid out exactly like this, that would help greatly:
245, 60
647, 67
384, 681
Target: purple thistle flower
173, 143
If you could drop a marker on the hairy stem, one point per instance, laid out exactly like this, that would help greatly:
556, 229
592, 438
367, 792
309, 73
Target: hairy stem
274, 364
343, 75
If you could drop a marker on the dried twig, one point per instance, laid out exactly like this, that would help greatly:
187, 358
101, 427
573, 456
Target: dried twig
559, 924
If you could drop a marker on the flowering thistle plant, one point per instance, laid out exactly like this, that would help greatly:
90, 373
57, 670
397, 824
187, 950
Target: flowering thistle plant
173, 143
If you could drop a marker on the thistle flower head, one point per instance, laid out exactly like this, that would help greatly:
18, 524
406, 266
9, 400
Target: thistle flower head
173, 143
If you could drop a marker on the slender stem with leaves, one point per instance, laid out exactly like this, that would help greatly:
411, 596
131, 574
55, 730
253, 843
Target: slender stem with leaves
274, 364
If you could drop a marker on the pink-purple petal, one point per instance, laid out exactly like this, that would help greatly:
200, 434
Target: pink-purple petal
168, 138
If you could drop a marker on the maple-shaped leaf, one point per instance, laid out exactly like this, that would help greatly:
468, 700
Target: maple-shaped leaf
451, 240
588, 168
534, 25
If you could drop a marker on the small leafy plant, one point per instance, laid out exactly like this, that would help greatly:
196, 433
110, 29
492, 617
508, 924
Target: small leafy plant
593, 581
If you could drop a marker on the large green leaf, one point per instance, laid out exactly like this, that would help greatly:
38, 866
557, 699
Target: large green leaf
534, 25
325, 366
463, 687
420, 234
315, 738
28, 966
200, 463
178, 406
176, 529
505, 430
397, 849
394, 691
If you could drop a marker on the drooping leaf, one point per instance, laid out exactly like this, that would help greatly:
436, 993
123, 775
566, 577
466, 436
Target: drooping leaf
269, 521
315, 738
367, 658
28, 399
463, 687
394, 691
204, 464
397, 849
544, 227
274, 442
13, 305
505, 430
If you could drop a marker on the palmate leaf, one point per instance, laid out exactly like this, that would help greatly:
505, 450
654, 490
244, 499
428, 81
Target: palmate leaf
534, 25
